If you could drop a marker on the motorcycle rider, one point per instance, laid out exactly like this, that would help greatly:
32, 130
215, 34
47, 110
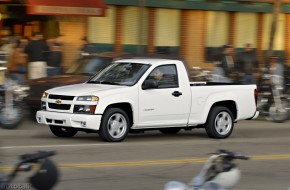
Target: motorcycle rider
276, 68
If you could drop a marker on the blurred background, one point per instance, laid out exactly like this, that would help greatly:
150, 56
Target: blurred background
193, 29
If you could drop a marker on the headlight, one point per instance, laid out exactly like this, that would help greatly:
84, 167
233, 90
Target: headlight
88, 98
45, 95
84, 109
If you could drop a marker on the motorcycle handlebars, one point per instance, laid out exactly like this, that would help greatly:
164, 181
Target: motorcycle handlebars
232, 155
27, 158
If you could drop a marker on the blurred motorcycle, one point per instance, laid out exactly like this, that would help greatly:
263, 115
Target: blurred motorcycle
45, 175
219, 173
199, 75
12, 106
273, 103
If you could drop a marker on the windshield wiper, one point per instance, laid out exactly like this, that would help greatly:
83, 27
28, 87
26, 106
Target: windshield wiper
102, 82
112, 83
94, 82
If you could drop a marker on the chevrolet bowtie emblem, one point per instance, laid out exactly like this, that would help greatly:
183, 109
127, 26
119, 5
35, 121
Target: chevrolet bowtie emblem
58, 101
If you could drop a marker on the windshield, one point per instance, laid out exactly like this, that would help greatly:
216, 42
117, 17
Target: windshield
120, 73
89, 66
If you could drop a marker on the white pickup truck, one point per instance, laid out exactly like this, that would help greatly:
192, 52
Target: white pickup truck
138, 94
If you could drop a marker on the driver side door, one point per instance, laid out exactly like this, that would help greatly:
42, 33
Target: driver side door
165, 105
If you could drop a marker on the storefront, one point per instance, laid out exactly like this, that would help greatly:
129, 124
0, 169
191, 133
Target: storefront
66, 17
194, 29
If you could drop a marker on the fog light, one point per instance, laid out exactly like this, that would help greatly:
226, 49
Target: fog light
43, 105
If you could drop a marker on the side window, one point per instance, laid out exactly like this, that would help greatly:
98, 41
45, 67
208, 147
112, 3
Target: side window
165, 76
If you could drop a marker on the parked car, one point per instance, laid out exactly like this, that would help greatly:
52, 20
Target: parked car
79, 72
141, 94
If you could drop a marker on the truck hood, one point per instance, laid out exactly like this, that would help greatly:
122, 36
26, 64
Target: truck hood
84, 89
60, 80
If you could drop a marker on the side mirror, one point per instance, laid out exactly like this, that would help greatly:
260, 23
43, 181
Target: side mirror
149, 84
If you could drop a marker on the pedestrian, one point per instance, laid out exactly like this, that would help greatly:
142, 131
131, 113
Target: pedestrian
87, 48
248, 65
36, 50
225, 65
24, 41
17, 64
55, 56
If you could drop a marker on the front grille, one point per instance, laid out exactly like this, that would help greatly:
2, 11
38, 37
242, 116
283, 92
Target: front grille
53, 96
59, 106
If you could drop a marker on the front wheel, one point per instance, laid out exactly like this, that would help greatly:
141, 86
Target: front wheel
62, 131
11, 118
115, 125
219, 123
280, 115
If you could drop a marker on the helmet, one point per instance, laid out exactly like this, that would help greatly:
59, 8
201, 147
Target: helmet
228, 179
46, 176
175, 185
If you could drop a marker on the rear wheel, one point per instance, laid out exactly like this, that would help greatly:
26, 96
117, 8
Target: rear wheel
115, 125
169, 131
219, 123
280, 115
62, 131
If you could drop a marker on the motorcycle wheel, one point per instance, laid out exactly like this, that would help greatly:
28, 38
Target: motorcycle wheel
280, 115
11, 119
264, 111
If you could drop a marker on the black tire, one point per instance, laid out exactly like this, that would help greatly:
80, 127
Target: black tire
117, 133
62, 131
279, 116
11, 119
169, 131
222, 128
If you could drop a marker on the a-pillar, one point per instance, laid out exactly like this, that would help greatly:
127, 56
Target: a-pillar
192, 41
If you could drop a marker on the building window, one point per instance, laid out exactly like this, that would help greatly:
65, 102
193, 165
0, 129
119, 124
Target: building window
246, 29
217, 33
167, 30
102, 29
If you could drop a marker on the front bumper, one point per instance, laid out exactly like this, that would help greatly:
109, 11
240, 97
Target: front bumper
81, 121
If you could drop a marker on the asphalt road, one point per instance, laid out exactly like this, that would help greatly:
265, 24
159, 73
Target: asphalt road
147, 161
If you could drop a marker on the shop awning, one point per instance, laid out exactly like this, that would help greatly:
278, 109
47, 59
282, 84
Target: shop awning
66, 7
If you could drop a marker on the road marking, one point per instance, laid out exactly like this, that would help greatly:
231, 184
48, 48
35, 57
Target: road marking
53, 146
152, 162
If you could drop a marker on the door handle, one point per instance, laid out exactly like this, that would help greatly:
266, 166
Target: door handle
176, 93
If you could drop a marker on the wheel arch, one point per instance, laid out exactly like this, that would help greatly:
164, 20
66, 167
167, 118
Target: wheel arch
230, 104
126, 107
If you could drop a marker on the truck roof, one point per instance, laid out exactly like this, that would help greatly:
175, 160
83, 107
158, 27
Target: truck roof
147, 58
